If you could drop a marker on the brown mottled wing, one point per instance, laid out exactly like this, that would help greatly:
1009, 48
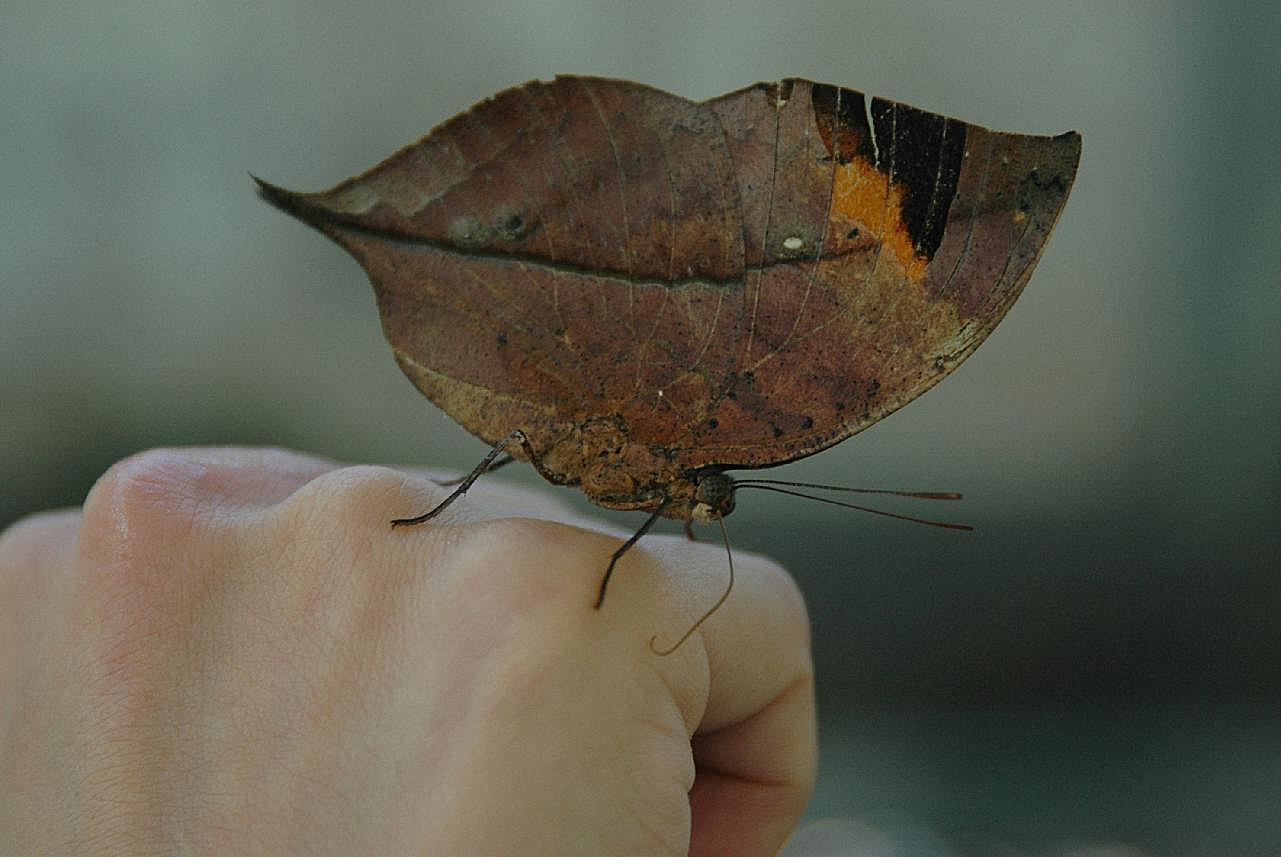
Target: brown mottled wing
739, 282
560, 251
883, 243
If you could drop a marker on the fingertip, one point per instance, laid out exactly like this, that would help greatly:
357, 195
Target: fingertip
754, 735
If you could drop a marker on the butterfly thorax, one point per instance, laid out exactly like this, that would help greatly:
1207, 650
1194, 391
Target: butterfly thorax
600, 457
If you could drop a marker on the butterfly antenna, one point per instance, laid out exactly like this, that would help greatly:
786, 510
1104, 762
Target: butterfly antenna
770, 485
919, 495
662, 653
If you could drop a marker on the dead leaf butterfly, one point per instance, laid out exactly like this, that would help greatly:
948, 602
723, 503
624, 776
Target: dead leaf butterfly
637, 293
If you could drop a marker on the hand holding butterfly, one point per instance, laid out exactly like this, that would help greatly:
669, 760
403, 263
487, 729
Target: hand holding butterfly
230, 651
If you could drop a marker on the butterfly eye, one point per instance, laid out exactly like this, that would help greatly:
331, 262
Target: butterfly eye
713, 497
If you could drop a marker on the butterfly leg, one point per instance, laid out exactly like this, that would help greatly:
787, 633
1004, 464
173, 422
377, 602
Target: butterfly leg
486, 464
450, 483
627, 545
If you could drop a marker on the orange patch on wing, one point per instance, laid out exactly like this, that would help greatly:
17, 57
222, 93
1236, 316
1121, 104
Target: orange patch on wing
862, 198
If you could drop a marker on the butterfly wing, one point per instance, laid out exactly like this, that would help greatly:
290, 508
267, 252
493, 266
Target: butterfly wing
882, 245
738, 282
533, 256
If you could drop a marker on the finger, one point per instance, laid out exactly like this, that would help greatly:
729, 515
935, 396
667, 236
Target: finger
523, 589
32, 549
169, 488
35, 554
754, 744
30, 540
158, 514
257, 477
229, 476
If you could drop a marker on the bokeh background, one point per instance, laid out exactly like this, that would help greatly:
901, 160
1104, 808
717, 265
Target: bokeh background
1097, 669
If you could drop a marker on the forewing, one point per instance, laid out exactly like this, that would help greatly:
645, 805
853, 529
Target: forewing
545, 257
883, 243
736, 283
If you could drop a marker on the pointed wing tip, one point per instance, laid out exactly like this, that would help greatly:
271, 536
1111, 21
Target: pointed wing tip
285, 200
303, 206
1067, 146
1070, 142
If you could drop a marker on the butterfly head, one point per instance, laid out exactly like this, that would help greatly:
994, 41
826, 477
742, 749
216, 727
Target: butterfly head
713, 497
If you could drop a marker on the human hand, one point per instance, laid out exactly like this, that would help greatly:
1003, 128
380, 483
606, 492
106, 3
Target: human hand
230, 651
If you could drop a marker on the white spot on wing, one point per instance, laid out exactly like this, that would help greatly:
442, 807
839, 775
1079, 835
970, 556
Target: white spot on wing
871, 131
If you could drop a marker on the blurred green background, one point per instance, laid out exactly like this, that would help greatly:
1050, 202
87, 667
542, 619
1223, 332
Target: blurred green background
1100, 664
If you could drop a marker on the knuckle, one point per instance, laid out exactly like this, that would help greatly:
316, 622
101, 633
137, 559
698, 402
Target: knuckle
34, 533
28, 548
140, 564
357, 496
347, 512
788, 599
788, 590
139, 499
523, 565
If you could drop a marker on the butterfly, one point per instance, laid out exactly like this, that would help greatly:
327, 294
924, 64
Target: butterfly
637, 293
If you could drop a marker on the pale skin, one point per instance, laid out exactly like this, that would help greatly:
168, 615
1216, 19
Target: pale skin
230, 651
